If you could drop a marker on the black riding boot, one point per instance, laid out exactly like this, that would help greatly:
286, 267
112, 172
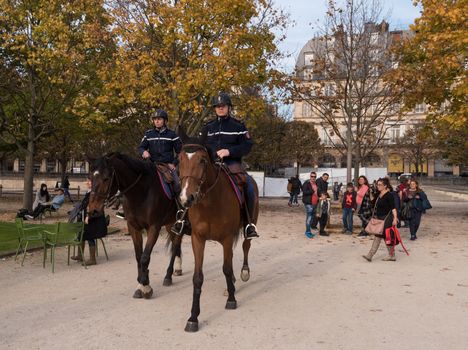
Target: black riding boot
250, 230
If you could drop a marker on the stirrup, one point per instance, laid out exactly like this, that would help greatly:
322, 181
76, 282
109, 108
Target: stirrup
180, 226
249, 233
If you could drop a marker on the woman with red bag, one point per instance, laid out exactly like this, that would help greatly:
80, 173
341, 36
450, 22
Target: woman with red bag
384, 216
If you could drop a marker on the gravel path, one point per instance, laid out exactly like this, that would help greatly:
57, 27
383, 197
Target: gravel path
303, 294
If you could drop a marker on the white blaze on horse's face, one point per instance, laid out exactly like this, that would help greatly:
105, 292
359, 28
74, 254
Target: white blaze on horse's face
183, 193
190, 155
96, 173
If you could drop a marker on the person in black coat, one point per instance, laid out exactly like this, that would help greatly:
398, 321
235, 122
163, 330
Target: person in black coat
94, 228
322, 184
295, 190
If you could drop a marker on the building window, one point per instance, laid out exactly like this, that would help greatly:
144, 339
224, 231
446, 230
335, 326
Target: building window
326, 140
50, 166
394, 133
306, 109
420, 108
329, 90
79, 167
308, 58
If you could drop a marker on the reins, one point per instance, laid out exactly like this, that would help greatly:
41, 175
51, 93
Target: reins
107, 196
199, 194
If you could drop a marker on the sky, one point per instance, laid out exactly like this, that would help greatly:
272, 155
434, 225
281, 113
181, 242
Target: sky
305, 14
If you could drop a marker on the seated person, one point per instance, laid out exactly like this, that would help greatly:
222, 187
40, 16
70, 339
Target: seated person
42, 196
56, 203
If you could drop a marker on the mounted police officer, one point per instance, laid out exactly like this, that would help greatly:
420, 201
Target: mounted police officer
228, 139
162, 145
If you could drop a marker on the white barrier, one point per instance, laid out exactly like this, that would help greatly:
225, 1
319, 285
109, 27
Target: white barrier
277, 187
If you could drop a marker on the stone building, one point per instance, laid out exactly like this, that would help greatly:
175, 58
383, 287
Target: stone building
387, 153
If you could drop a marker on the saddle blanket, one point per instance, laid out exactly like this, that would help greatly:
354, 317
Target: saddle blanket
234, 186
167, 188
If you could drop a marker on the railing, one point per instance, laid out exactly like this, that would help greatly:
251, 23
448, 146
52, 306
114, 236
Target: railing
14, 192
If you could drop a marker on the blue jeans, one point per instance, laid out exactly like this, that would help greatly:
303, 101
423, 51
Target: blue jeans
348, 219
310, 216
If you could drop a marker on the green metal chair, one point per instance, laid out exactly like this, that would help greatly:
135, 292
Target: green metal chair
65, 234
26, 235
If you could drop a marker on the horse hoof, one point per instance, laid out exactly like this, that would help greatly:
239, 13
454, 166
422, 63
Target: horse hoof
177, 272
167, 282
245, 274
138, 294
148, 295
191, 327
231, 305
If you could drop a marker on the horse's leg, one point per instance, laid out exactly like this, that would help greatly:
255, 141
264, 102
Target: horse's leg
198, 246
175, 252
245, 272
152, 237
137, 239
231, 303
178, 263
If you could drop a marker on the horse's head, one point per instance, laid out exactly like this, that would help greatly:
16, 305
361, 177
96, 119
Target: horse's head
103, 185
194, 160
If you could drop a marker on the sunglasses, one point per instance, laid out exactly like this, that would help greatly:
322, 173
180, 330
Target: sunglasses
313, 176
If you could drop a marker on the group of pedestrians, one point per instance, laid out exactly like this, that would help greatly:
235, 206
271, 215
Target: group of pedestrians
406, 203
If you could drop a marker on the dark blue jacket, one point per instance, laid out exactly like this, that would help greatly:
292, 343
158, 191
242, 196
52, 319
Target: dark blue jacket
164, 145
228, 133
420, 204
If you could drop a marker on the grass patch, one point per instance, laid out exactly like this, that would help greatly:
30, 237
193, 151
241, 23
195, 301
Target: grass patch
9, 236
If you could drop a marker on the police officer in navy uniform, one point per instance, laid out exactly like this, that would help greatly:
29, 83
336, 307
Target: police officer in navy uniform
162, 145
228, 139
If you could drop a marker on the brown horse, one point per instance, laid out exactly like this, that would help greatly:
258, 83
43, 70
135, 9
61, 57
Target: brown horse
215, 214
146, 208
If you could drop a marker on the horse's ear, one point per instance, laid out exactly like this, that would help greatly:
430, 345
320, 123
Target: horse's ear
182, 134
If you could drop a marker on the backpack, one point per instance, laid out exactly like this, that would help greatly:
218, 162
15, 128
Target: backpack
22, 212
393, 238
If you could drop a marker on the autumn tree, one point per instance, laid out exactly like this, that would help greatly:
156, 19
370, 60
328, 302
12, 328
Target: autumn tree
343, 81
49, 50
433, 69
301, 143
177, 54
418, 145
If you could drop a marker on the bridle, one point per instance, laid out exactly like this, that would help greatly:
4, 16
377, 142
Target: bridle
107, 196
201, 180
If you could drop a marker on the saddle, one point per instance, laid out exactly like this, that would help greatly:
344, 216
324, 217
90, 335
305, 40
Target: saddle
165, 172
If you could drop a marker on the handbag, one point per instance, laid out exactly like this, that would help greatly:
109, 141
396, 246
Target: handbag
375, 226
406, 211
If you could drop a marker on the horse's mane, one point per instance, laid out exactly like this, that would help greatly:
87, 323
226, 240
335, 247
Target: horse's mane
137, 165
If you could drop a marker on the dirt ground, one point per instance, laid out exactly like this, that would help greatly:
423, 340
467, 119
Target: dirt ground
303, 293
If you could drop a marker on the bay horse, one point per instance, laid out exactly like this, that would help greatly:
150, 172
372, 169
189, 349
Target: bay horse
214, 213
146, 207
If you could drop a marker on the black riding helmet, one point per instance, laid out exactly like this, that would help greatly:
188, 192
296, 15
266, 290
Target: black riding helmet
160, 113
222, 99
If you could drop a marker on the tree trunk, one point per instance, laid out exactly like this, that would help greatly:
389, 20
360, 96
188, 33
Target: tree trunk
357, 165
29, 167
349, 151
